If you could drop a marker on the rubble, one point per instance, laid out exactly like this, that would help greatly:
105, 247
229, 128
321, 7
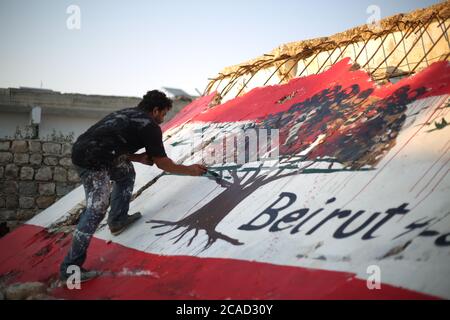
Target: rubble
22, 291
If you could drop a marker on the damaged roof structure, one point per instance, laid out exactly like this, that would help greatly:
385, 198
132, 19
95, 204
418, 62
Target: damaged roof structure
344, 194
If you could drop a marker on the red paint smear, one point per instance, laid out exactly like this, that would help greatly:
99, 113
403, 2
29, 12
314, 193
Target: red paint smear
30, 254
262, 101
189, 111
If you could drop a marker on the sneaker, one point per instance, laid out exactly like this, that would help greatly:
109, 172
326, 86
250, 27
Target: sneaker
118, 228
85, 275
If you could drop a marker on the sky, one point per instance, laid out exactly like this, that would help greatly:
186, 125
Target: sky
126, 48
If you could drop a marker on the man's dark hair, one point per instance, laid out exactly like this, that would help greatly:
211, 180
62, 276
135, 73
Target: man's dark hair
155, 99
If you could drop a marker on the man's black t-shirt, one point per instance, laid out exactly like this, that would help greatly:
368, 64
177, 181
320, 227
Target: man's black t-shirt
121, 132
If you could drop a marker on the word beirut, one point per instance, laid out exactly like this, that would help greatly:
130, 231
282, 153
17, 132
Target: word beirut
270, 218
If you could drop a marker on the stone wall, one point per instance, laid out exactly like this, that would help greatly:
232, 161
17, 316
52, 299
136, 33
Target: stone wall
33, 175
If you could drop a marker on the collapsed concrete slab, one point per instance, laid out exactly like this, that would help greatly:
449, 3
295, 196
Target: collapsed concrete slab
354, 204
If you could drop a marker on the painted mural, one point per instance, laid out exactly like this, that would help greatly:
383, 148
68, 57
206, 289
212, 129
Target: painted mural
360, 179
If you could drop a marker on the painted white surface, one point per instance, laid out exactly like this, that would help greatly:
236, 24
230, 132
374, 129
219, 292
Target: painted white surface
9, 121
65, 125
60, 209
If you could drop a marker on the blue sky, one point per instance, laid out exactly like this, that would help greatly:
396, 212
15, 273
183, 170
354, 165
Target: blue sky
129, 47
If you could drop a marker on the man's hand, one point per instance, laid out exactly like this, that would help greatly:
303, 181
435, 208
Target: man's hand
196, 169
142, 158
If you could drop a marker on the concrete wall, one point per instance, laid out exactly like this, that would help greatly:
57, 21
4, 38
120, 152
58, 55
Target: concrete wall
64, 125
10, 122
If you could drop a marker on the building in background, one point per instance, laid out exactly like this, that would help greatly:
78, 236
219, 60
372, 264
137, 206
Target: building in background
51, 115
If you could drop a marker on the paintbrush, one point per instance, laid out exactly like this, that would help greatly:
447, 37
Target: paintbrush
215, 176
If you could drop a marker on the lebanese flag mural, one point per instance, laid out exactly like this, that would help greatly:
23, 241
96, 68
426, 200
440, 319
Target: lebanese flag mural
354, 206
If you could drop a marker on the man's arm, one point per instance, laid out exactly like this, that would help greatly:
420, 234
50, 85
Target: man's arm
140, 157
155, 153
166, 164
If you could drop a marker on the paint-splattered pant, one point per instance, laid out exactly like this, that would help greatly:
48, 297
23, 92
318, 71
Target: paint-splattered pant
98, 197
